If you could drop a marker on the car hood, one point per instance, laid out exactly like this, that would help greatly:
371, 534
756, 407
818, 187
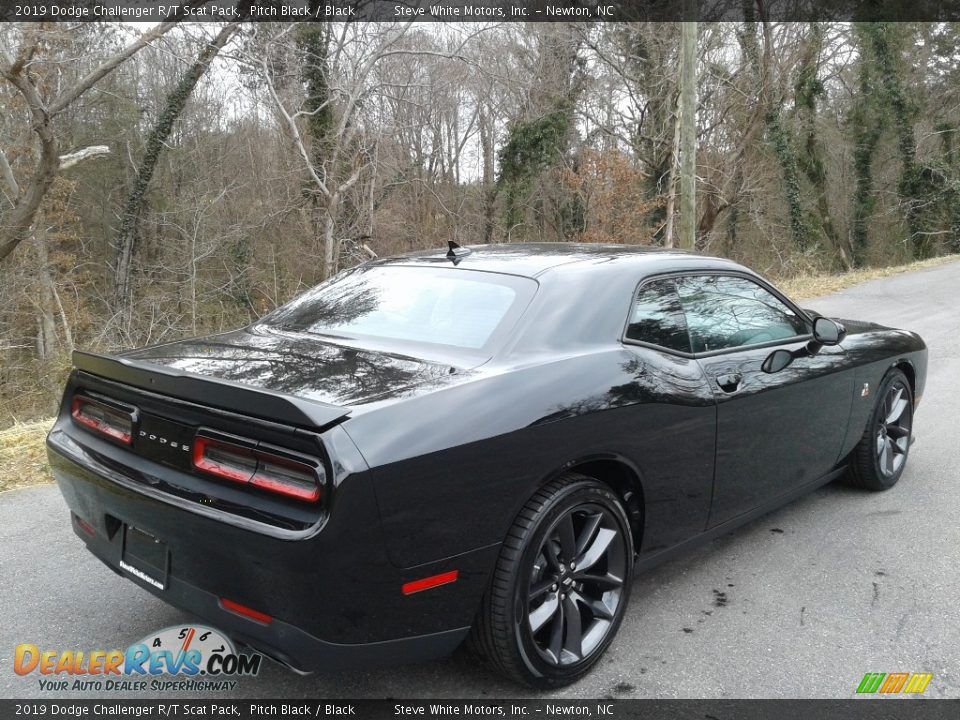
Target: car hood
310, 368
855, 327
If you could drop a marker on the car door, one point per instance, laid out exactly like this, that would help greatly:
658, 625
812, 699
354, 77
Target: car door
671, 420
775, 431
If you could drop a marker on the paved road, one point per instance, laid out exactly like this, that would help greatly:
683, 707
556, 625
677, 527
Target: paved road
816, 594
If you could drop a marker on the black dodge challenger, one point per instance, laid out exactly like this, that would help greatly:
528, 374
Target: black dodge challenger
483, 443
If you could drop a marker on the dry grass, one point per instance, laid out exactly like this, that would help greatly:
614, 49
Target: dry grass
23, 456
804, 287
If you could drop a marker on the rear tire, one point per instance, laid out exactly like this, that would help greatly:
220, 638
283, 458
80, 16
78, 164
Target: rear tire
881, 455
560, 587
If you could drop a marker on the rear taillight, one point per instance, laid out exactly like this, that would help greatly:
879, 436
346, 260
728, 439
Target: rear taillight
108, 420
258, 467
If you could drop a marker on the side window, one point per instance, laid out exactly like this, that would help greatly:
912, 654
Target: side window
727, 312
656, 317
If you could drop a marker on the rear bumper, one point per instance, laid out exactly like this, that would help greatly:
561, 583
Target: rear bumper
334, 598
279, 640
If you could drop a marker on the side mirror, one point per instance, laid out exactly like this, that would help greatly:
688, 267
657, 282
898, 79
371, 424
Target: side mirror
828, 332
777, 361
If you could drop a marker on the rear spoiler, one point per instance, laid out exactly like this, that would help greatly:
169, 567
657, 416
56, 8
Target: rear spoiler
213, 392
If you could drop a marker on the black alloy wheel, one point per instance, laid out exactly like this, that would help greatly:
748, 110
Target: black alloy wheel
893, 430
881, 455
576, 585
561, 584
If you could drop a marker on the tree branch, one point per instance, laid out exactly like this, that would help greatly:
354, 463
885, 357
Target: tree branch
7, 172
71, 159
294, 130
63, 100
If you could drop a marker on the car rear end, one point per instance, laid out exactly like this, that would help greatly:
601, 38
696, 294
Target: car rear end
249, 509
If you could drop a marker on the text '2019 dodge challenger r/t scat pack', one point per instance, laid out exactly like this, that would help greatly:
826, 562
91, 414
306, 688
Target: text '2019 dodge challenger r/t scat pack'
481, 443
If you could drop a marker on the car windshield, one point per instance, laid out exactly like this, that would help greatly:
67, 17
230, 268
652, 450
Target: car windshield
438, 306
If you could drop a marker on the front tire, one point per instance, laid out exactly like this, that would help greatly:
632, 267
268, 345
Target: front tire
561, 585
881, 455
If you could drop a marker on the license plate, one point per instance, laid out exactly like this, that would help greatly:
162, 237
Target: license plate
145, 557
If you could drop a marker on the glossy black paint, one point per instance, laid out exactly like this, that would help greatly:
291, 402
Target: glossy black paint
430, 452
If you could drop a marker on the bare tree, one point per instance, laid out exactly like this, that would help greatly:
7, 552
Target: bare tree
19, 71
353, 52
175, 102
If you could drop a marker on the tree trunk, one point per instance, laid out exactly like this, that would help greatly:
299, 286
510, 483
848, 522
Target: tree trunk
46, 325
487, 141
668, 240
869, 121
20, 224
807, 89
329, 240
688, 136
128, 235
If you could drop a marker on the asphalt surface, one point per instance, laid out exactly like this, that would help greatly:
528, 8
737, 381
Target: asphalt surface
800, 603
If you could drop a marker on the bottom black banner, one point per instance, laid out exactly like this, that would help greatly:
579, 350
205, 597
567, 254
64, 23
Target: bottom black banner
603, 709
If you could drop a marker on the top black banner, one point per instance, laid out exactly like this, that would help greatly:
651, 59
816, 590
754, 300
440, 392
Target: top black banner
585, 11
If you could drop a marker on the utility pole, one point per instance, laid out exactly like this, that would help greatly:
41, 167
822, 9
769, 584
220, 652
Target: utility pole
688, 128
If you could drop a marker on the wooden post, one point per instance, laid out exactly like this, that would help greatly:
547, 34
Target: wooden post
688, 130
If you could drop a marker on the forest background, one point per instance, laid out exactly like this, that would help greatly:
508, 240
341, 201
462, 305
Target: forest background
173, 180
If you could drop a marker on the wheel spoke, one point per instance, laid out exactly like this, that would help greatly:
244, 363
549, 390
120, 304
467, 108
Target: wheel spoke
539, 617
568, 539
897, 432
573, 640
898, 461
898, 404
599, 582
588, 532
550, 552
556, 634
598, 608
597, 548
886, 457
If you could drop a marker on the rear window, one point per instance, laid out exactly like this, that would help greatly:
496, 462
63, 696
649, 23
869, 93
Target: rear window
436, 306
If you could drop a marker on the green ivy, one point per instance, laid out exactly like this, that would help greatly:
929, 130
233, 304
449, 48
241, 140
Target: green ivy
531, 147
883, 103
791, 179
313, 43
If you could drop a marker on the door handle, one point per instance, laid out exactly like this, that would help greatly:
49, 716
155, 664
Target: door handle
729, 382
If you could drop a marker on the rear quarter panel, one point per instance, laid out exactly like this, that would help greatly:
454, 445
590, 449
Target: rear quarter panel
453, 468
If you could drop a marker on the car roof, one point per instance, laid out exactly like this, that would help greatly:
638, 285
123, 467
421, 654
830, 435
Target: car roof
534, 259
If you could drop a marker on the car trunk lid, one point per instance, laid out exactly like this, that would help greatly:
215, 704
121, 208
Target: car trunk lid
304, 381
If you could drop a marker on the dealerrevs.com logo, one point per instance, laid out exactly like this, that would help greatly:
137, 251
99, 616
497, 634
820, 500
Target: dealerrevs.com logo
202, 657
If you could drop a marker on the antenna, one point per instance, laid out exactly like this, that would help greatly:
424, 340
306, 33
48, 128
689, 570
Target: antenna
456, 253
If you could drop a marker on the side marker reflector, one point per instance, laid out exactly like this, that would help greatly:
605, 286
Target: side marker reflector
250, 613
85, 526
430, 582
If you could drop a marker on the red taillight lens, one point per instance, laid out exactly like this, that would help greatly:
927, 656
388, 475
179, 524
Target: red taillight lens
286, 477
260, 468
103, 419
225, 460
